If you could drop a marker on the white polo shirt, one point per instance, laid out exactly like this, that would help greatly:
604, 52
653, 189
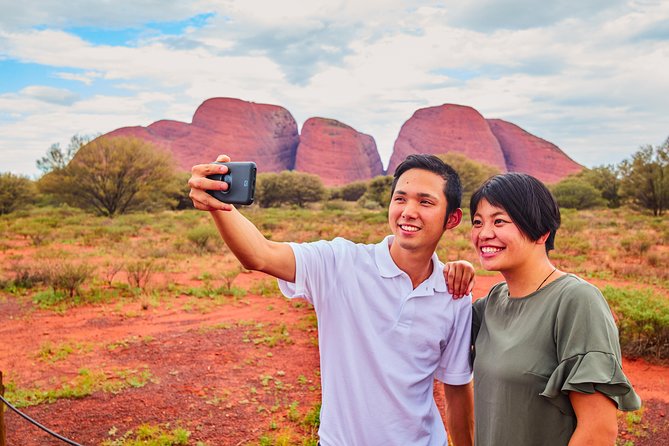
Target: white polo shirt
381, 342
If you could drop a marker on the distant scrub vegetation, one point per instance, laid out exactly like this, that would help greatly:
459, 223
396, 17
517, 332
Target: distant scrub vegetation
114, 176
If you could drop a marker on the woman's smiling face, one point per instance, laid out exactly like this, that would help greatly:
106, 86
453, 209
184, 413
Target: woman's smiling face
499, 243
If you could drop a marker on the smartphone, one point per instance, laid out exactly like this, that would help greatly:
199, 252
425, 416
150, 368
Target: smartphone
241, 179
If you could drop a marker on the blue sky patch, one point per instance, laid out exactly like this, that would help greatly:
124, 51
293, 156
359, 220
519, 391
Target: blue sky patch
129, 36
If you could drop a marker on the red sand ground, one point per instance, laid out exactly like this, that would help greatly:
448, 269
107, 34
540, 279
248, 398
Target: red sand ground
209, 381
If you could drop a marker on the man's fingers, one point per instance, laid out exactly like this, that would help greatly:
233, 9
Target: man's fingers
472, 282
222, 159
205, 202
203, 183
208, 169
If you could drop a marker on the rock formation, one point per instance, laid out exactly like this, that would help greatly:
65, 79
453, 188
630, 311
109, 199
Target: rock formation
456, 128
266, 134
447, 128
336, 152
527, 153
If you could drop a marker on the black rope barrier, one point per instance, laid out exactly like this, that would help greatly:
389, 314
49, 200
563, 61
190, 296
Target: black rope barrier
44, 428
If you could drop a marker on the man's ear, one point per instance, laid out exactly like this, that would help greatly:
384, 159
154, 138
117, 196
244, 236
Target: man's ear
454, 219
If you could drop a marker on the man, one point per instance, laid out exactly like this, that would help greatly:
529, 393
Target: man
387, 325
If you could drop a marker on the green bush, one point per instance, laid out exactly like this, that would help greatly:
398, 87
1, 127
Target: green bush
643, 321
275, 189
204, 237
139, 272
353, 191
577, 194
472, 173
606, 179
378, 192
16, 192
68, 277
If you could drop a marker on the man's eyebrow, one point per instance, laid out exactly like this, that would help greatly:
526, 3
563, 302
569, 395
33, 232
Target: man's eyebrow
420, 194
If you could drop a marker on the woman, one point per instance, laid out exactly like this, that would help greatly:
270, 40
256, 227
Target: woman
547, 367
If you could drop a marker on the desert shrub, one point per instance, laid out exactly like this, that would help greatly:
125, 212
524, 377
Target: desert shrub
353, 191
472, 173
204, 237
228, 276
139, 272
378, 192
275, 189
38, 233
25, 276
577, 194
334, 205
111, 268
643, 321
637, 245
606, 179
16, 192
68, 277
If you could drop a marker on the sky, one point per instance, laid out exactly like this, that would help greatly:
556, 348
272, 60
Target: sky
589, 76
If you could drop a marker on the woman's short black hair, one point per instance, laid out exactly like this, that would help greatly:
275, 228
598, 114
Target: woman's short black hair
527, 200
431, 163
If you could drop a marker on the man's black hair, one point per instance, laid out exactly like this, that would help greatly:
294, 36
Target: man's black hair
431, 163
527, 200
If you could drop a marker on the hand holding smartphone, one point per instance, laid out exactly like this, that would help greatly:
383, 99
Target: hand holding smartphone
241, 179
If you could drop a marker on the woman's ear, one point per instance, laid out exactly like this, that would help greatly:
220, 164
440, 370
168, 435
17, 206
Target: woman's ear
542, 240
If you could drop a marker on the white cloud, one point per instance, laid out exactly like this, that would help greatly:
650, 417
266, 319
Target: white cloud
116, 14
52, 95
588, 77
86, 78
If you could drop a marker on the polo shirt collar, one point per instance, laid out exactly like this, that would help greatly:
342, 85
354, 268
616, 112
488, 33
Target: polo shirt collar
388, 268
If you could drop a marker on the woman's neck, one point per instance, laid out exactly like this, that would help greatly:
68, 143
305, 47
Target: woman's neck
529, 277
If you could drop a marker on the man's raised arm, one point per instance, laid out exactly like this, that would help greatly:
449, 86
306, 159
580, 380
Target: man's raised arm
250, 247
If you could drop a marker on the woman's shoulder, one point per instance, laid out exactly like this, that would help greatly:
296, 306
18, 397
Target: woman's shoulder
494, 292
576, 285
578, 292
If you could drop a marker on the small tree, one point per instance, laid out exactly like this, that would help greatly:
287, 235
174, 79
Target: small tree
577, 193
56, 158
15, 192
606, 179
645, 178
472, 173
114, 176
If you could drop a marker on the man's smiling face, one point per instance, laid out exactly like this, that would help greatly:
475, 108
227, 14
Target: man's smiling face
417, 210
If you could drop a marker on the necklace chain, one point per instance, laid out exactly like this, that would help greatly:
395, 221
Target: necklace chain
544, 281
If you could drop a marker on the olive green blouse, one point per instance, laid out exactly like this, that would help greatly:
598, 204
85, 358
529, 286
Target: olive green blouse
530, 352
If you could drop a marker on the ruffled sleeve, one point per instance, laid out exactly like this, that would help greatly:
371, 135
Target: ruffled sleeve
587, 373
588, 351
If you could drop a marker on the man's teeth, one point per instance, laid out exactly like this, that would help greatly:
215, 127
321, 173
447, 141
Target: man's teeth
409, 228
490, 249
